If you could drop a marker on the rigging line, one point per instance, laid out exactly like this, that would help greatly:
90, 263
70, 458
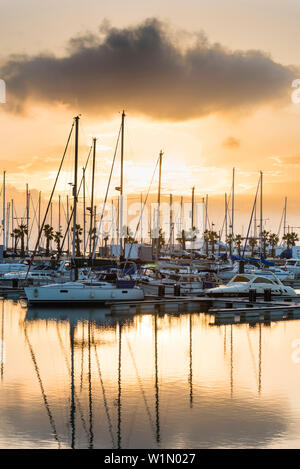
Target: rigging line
141, 387
34, 217
16, 215
51, 419
142, 211
224, 219
49, 202
110, 427
280, 224
69, 370
64, 212
106, 195
72, 212
250, 222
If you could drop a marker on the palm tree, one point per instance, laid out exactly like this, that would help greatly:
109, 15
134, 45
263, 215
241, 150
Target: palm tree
161, 238
273, 240
78, 240
57, 237
206, 240
128, 235
23, 230
265, 241
252, 243
229, 242
105, 239
94, 237
15, 235
238, 243
182, 238
49, 235
213, 237
290, 239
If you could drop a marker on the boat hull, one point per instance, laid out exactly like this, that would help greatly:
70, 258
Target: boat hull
153, 289
64, 295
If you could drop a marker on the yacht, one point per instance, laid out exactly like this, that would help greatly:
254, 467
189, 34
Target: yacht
43, 274
292, 265
229, 273
241, 284
21, 266
190, 284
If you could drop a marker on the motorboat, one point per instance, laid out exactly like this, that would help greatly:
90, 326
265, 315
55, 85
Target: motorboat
42, 274
292, 265
229, 273
21, 266
83, 292
187, 284
241, 284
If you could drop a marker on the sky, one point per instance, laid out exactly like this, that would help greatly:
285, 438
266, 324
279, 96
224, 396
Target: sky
208, 82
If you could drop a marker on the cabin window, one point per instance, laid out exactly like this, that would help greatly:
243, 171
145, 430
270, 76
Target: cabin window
63, 291
241, 278
262, 280
124, 291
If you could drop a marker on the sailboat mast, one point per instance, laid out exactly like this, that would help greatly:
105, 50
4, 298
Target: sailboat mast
67, 224
39, 213
59, 220
226, 219
261, 211
171, 221
7, 224
232, 209
193, 205
141, 218
121, 189
92, 195
255, 220
206, 209
158, 208
75, 187
12, 222
84, 216
284, 223
27, 217
3, 208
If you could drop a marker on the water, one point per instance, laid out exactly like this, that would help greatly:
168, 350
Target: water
82, 379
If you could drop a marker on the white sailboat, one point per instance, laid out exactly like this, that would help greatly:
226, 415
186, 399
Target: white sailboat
84, 291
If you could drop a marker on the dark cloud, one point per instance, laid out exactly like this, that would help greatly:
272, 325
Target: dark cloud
231, 142
146, 70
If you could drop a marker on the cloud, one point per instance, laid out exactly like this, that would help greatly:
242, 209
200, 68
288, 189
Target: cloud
231, 142
285, 161
146, 70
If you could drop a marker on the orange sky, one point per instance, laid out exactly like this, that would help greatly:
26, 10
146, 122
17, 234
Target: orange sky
203, 134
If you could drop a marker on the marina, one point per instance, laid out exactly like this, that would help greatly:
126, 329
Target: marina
149, 228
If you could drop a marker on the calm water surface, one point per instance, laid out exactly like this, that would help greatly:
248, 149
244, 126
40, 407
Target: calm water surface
79, 378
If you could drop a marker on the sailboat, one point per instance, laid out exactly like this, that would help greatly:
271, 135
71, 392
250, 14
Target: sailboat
85, 291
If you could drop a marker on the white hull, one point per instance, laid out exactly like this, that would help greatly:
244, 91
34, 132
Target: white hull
152, 289
79, 293
241, 285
